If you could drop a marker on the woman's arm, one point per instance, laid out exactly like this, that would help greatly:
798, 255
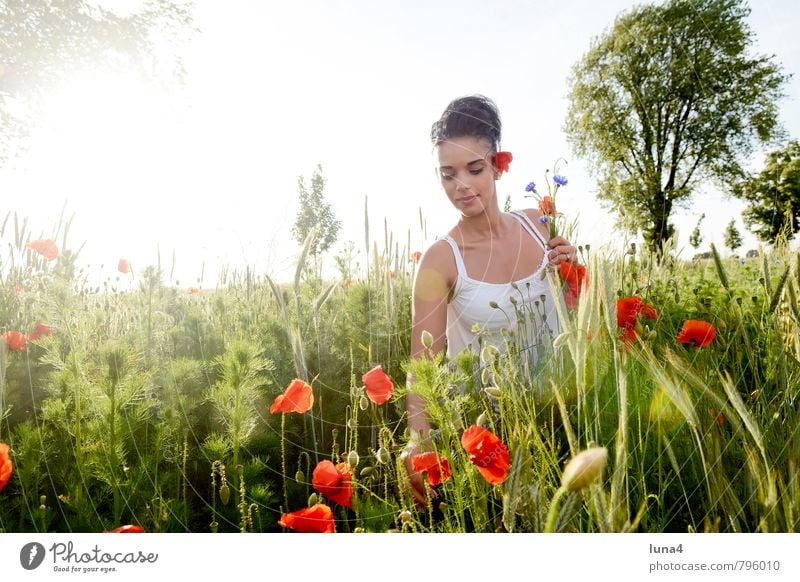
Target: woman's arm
435, 279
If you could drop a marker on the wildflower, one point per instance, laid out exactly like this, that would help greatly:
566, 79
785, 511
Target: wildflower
573, 275
315, 519
126, 529
379, 386
531, 187
193, 291
584, 468
487, 453
560, 180
41, 329
697, 333
124, 267
501, 161
333, 481
45, 247
546, 207
298, 397
6, 466
542, 220
416, 256
15, 340
436, 466
628, 310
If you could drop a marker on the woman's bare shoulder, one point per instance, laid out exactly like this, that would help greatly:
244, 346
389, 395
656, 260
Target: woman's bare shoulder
534, 216
439, 258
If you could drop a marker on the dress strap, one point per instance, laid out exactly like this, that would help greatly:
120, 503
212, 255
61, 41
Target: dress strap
460, 266
529, 226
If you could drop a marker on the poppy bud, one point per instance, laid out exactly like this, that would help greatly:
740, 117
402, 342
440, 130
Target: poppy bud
383, 456
513, 300
352, 459
493, 304
443, 506
359, 530
485, 376
43, 499
489, 353
405, 516
492, 391
213, 526
313, 499
224, 494
427, 339
367, 471
363, 402
584, 468
300, 477
482, 418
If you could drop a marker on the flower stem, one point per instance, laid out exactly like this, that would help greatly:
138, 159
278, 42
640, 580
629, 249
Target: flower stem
555, 505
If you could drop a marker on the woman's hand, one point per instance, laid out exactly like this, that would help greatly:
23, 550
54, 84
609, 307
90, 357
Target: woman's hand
561, 250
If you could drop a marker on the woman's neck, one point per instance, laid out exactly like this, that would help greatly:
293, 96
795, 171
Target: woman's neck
488, 224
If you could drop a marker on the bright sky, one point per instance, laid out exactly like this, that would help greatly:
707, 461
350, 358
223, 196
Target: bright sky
274, 88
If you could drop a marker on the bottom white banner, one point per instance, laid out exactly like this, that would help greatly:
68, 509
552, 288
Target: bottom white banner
386, 557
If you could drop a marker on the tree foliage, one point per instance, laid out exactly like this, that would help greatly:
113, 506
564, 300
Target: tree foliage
43, 43
733, 238
773, 195
315, 212
697, 237
669, 96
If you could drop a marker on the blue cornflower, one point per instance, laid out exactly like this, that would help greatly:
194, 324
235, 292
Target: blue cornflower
531, 187
560, 180
542, 220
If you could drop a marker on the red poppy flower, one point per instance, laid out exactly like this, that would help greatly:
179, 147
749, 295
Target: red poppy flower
379, 386
124, 266
15, 340
416, 256
571, 298
298, 397
193, 291
126, 529
572, 274
628, 310
487, 452
546, 207
41, 329
316, 519
45, 247
6, 466
436, 466
502, 160
696, 332
333, 481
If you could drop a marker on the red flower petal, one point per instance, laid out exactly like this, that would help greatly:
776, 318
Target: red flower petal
379, 386
124, 266
546, 207
45, 247
629, 308
41, 329
316, 519
696, 332
298, 397
436, 466
127, 529
487, 452
502, 160
15, 340
333, 481
416, 256
6, 466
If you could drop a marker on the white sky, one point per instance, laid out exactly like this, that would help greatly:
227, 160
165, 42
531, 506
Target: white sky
274, 88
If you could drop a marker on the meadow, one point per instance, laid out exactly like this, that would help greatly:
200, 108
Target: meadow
668, 402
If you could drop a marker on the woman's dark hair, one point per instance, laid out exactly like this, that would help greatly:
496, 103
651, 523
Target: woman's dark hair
470, 116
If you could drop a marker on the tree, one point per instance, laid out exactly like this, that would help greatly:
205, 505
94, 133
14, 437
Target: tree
315, 212
696, 237
667, 97
773, 196
733, 239
45, 42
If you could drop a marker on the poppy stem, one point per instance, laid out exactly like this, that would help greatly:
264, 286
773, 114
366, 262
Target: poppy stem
555, 505
283, 461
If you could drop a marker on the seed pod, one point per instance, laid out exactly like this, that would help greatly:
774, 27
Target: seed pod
492, 391
224, 494
363, 402
352, 459
383, 456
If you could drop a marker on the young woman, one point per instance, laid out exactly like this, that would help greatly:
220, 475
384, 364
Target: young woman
488, 265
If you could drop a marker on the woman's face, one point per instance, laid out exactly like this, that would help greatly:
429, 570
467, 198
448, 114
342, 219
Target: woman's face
466, 173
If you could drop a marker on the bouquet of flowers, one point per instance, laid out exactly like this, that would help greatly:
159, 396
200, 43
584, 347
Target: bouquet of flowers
572, 274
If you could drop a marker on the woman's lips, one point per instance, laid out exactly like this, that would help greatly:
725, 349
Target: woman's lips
467, 199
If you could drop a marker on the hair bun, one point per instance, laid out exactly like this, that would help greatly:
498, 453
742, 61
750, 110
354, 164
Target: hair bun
473, 116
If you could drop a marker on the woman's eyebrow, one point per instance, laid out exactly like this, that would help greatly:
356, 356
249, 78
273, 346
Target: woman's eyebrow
468, 163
